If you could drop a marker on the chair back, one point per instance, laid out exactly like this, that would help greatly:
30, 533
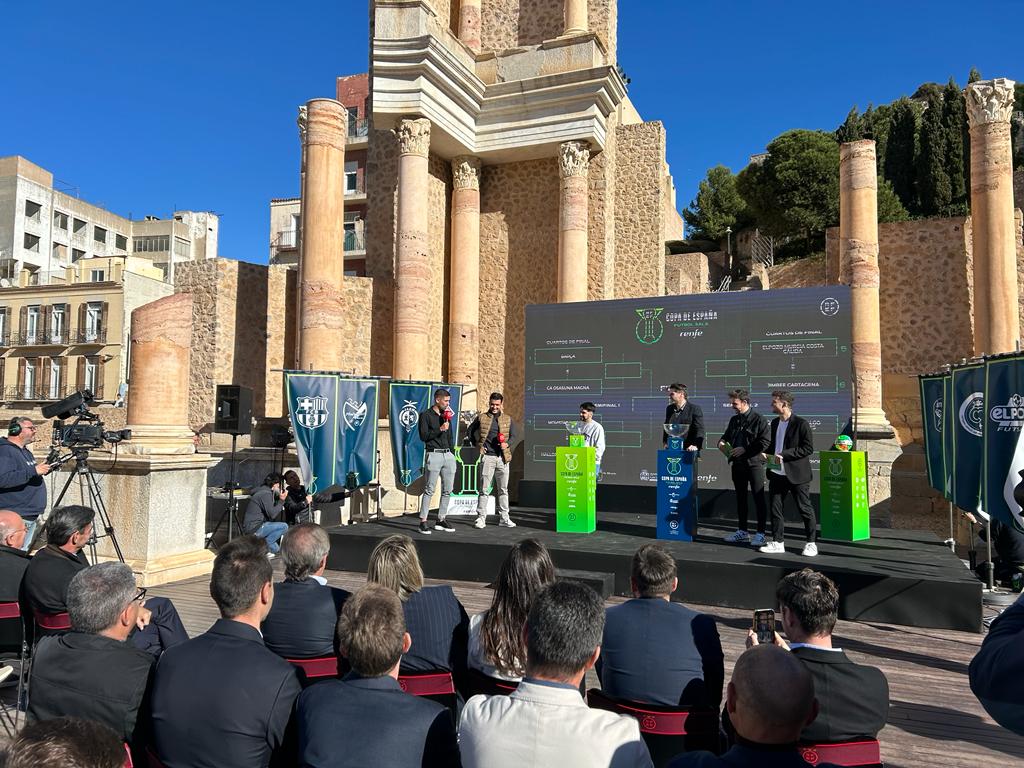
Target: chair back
10, 611
311, 670
53, 622
479, 683
851, 754
437, 683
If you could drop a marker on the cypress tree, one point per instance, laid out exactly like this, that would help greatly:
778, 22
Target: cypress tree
933, 183
900, 153
954, 120
852, 128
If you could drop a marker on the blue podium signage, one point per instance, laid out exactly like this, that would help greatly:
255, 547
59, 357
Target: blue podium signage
677, 494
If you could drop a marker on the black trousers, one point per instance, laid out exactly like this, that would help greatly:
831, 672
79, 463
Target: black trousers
778, 487
164, 630
744, 475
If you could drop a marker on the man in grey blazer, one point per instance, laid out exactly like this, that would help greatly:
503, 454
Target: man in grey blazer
546, 721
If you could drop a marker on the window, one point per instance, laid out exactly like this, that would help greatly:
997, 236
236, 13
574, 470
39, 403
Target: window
31, 328
58, 324
91, 369
5, 312
351, 177
97, 276
59, 253
76, 254
32, 210
120, 242
79, 227
182, 248
54, 392
93, 320
151, 244
99, 234
29, 384
32, 242
60, 220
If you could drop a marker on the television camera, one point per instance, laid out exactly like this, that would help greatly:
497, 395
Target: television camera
87, 430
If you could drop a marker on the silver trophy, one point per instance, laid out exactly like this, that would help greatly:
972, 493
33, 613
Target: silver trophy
466, 418
675, 434
573, 428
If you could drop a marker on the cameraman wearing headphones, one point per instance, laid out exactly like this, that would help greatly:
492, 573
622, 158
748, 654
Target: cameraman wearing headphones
22, 490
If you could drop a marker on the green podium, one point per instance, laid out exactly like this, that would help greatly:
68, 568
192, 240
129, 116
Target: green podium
575, 487
845, 511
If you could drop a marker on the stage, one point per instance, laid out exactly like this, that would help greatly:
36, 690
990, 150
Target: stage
896, 577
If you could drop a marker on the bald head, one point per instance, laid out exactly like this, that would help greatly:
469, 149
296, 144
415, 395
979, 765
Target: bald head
771, 696
12, 529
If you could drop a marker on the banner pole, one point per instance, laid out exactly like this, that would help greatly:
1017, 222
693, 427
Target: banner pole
952, 540
991, 569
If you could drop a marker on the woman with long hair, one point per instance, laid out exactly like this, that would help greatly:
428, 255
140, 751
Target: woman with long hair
496, 635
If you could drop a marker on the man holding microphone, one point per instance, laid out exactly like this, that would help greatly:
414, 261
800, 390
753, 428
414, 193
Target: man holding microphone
435, 427
493, 433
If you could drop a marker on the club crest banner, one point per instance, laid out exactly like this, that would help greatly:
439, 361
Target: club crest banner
968, 415
406, 401
1004, 439
933, 401
335, 425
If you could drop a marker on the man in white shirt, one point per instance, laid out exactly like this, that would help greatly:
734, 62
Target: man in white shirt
545, 721
593, 432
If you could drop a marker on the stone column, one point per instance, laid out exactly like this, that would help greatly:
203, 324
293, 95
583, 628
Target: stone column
413, 291
996, 312
464, 307
576, 22
858, 252
161, 340
322, 260
469, 24
573, 166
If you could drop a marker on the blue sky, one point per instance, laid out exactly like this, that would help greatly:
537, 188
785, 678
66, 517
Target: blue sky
148, 106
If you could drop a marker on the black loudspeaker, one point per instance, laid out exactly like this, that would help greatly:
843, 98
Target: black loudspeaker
234, 410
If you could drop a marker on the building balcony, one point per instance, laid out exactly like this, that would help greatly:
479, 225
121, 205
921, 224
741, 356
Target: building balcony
356, 193
355, 242
39, 339
358, 129
96, 336
29, 393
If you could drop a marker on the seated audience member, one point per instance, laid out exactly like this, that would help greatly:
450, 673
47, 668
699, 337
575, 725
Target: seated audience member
1008, 544
434, 617
853, 699
366, 719
92, 672
997, 671
302, 619
659, 652
45, 586
13, 559
770, 700
222, 699
263, 513
65, 743
496, 645
545, 722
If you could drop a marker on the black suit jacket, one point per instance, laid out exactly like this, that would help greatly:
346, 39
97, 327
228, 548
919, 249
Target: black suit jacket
797, 446
853, 699
45, 586
222, 700
301, 623
662, 653
13, 563
690, 414
365, 721
439, 628
91, 677
746, 756
748, 431
997, 670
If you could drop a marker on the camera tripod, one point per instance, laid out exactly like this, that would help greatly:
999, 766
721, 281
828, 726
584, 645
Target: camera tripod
89, 493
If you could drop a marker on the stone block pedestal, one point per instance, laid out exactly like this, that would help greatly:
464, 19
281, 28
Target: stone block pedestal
882, 453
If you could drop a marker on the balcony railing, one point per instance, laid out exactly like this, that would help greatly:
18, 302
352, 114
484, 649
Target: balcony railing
28, 393
358, 128
355, 241
287, 238
39, 339
89, 336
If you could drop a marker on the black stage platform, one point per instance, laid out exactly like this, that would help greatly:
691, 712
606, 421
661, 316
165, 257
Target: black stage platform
897, 577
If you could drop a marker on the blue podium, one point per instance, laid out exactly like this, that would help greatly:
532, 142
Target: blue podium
677, 492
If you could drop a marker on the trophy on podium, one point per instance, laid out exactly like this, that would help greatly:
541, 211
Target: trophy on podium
575, 430
675, 434
466, 418
575, 483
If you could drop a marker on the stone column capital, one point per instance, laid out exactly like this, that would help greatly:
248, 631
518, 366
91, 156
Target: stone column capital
989, 101
466, 172
414, 137
573, 159
326, 124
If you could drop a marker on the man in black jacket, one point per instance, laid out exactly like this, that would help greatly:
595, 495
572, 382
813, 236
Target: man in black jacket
790, 472
21, 477
682, 411
998, 668
381, 724
301, 623
92, 672
437, 427
223, 699
745, 440
13, 558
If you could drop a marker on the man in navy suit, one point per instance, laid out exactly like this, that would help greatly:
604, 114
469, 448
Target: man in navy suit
302, 620
998, 668
659, 652
366, 718
222, 700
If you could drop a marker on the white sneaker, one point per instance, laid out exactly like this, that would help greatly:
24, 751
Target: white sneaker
481, 522
506, 523
773, 548
271, 555
759, 540
737, 537
810, 549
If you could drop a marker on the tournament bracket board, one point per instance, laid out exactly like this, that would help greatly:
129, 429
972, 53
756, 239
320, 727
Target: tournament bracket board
623, 354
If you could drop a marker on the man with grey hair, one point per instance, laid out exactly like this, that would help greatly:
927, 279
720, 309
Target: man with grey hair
93, 672
301, 623
13, 557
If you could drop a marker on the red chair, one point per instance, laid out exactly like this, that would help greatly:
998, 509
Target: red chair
479, 683
437, 686
10, 613
312, 670
852, 754
667, 731
53, 622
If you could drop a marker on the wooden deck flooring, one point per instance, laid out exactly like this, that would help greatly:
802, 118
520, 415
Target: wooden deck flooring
934, 720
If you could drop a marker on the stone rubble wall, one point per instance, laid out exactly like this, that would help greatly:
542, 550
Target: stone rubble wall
1018, 189
640, 212
686, 273
381, 213
601, 231
510, 24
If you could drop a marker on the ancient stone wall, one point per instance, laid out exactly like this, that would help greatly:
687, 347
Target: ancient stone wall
282, 291
1018, 189
439, 237
518, 261
381, 187
601, 230
639, 210
686, 273
799, 273
512, 23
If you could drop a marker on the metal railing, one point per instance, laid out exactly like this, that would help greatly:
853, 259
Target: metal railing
287, 238
39, 338
725, 284
762, 249
355, 241
358, 128
89, 336
25, 393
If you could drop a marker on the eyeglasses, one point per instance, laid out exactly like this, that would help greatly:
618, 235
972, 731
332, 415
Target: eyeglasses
141, 596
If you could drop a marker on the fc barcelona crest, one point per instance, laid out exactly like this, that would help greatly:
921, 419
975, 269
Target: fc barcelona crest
311, 412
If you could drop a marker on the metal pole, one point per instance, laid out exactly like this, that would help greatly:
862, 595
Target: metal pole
991, 569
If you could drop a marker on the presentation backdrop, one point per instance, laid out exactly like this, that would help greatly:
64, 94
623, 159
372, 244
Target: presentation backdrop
623, 354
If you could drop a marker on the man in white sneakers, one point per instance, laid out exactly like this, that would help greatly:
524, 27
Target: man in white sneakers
494, 434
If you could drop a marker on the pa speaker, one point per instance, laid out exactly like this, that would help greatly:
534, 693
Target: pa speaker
234, 410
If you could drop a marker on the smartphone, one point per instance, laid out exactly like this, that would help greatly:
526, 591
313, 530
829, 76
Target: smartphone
764, 625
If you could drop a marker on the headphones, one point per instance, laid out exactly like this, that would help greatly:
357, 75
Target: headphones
14, 428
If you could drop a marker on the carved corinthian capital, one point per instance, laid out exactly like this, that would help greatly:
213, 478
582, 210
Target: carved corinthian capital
302, 121
989, 101
466, 172
414, 137
574, 159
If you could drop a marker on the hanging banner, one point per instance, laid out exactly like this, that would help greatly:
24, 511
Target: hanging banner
1004, 439
313, 407
968, 432
406, 401
932, 408
948, 420
357, 431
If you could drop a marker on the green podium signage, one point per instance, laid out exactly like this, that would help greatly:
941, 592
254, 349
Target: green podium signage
575, 490
845, 511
